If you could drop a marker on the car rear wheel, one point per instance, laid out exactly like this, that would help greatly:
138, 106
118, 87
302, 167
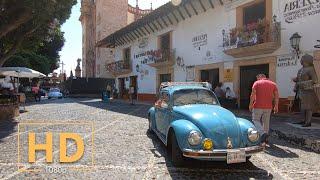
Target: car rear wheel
176, 153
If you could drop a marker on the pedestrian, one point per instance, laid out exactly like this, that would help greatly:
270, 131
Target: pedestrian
109, 90
264, 98
305, 81
219, 91
230, 94
131, 94
36, 92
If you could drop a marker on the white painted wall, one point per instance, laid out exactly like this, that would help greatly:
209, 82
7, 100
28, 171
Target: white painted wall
212, 23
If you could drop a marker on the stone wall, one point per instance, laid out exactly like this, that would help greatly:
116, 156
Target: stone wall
111, 15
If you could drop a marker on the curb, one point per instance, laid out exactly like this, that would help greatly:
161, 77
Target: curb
302, 141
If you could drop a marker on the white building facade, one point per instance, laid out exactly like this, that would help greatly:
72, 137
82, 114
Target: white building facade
216, 41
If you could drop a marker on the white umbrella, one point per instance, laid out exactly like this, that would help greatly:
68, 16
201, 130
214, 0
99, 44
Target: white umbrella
20, 72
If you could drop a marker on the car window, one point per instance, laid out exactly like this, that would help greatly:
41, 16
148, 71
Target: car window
194, 96
55, 90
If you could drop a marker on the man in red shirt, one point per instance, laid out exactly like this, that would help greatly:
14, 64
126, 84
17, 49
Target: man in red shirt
264, 98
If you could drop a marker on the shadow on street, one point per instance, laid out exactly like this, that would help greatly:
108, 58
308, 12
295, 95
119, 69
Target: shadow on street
207, 169
137, 110
7, 127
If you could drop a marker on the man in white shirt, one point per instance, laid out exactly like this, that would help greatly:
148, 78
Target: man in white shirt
230, 94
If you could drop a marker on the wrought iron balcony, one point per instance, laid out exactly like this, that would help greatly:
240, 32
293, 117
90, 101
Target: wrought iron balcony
253, 39
119, 67
160, 58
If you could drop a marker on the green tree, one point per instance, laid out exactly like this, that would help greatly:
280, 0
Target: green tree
45, 56
29, 60
27, 23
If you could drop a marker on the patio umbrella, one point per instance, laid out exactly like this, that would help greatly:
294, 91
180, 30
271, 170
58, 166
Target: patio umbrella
20, 72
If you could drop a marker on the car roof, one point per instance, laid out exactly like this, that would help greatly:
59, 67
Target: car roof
172, 89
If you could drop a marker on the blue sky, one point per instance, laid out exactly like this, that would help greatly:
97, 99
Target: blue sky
72, 49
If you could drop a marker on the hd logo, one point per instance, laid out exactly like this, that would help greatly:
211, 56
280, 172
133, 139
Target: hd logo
55, 144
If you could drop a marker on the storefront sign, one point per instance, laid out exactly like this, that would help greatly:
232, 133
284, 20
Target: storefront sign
285, 61
298, 9
228, 75
199, 41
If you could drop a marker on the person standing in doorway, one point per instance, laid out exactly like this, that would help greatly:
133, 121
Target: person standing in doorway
131, 94
219, 91
109, 90
264, 98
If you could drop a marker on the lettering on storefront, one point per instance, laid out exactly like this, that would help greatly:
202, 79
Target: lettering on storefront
285, 61
154, 56
199, 41
299, 9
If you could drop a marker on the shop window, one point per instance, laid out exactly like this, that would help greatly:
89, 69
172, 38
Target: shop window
254, 13
165, 41
126, 54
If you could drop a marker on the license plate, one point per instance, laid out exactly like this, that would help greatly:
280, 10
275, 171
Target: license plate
236, 156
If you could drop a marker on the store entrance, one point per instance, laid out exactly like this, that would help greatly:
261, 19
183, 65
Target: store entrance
121, 87
165, 78
134, 83
211, 76
247, 78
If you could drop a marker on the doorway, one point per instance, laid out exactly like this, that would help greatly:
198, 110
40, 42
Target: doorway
134, 83
164, 78
211, 76
247, 78
121, 87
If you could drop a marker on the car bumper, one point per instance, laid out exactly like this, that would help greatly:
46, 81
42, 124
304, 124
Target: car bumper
219, 155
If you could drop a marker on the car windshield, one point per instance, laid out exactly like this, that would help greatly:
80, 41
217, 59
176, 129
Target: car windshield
55, 90
194, 96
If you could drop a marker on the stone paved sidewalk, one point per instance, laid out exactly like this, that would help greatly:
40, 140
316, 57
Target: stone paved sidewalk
282, 126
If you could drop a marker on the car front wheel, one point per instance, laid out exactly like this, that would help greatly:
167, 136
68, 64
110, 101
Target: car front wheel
176, 153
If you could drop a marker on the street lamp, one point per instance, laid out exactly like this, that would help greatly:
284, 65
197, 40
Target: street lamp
295, 43
176, 2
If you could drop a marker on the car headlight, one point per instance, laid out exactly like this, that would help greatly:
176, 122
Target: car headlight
253, 135
194, 138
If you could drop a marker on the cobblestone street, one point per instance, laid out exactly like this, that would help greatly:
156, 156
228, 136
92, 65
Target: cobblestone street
124, 150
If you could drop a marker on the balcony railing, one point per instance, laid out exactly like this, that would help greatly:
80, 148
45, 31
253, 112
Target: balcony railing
258, 38
119, 67
161, 57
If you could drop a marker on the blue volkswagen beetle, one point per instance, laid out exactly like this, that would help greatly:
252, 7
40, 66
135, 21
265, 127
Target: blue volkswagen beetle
189, 120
